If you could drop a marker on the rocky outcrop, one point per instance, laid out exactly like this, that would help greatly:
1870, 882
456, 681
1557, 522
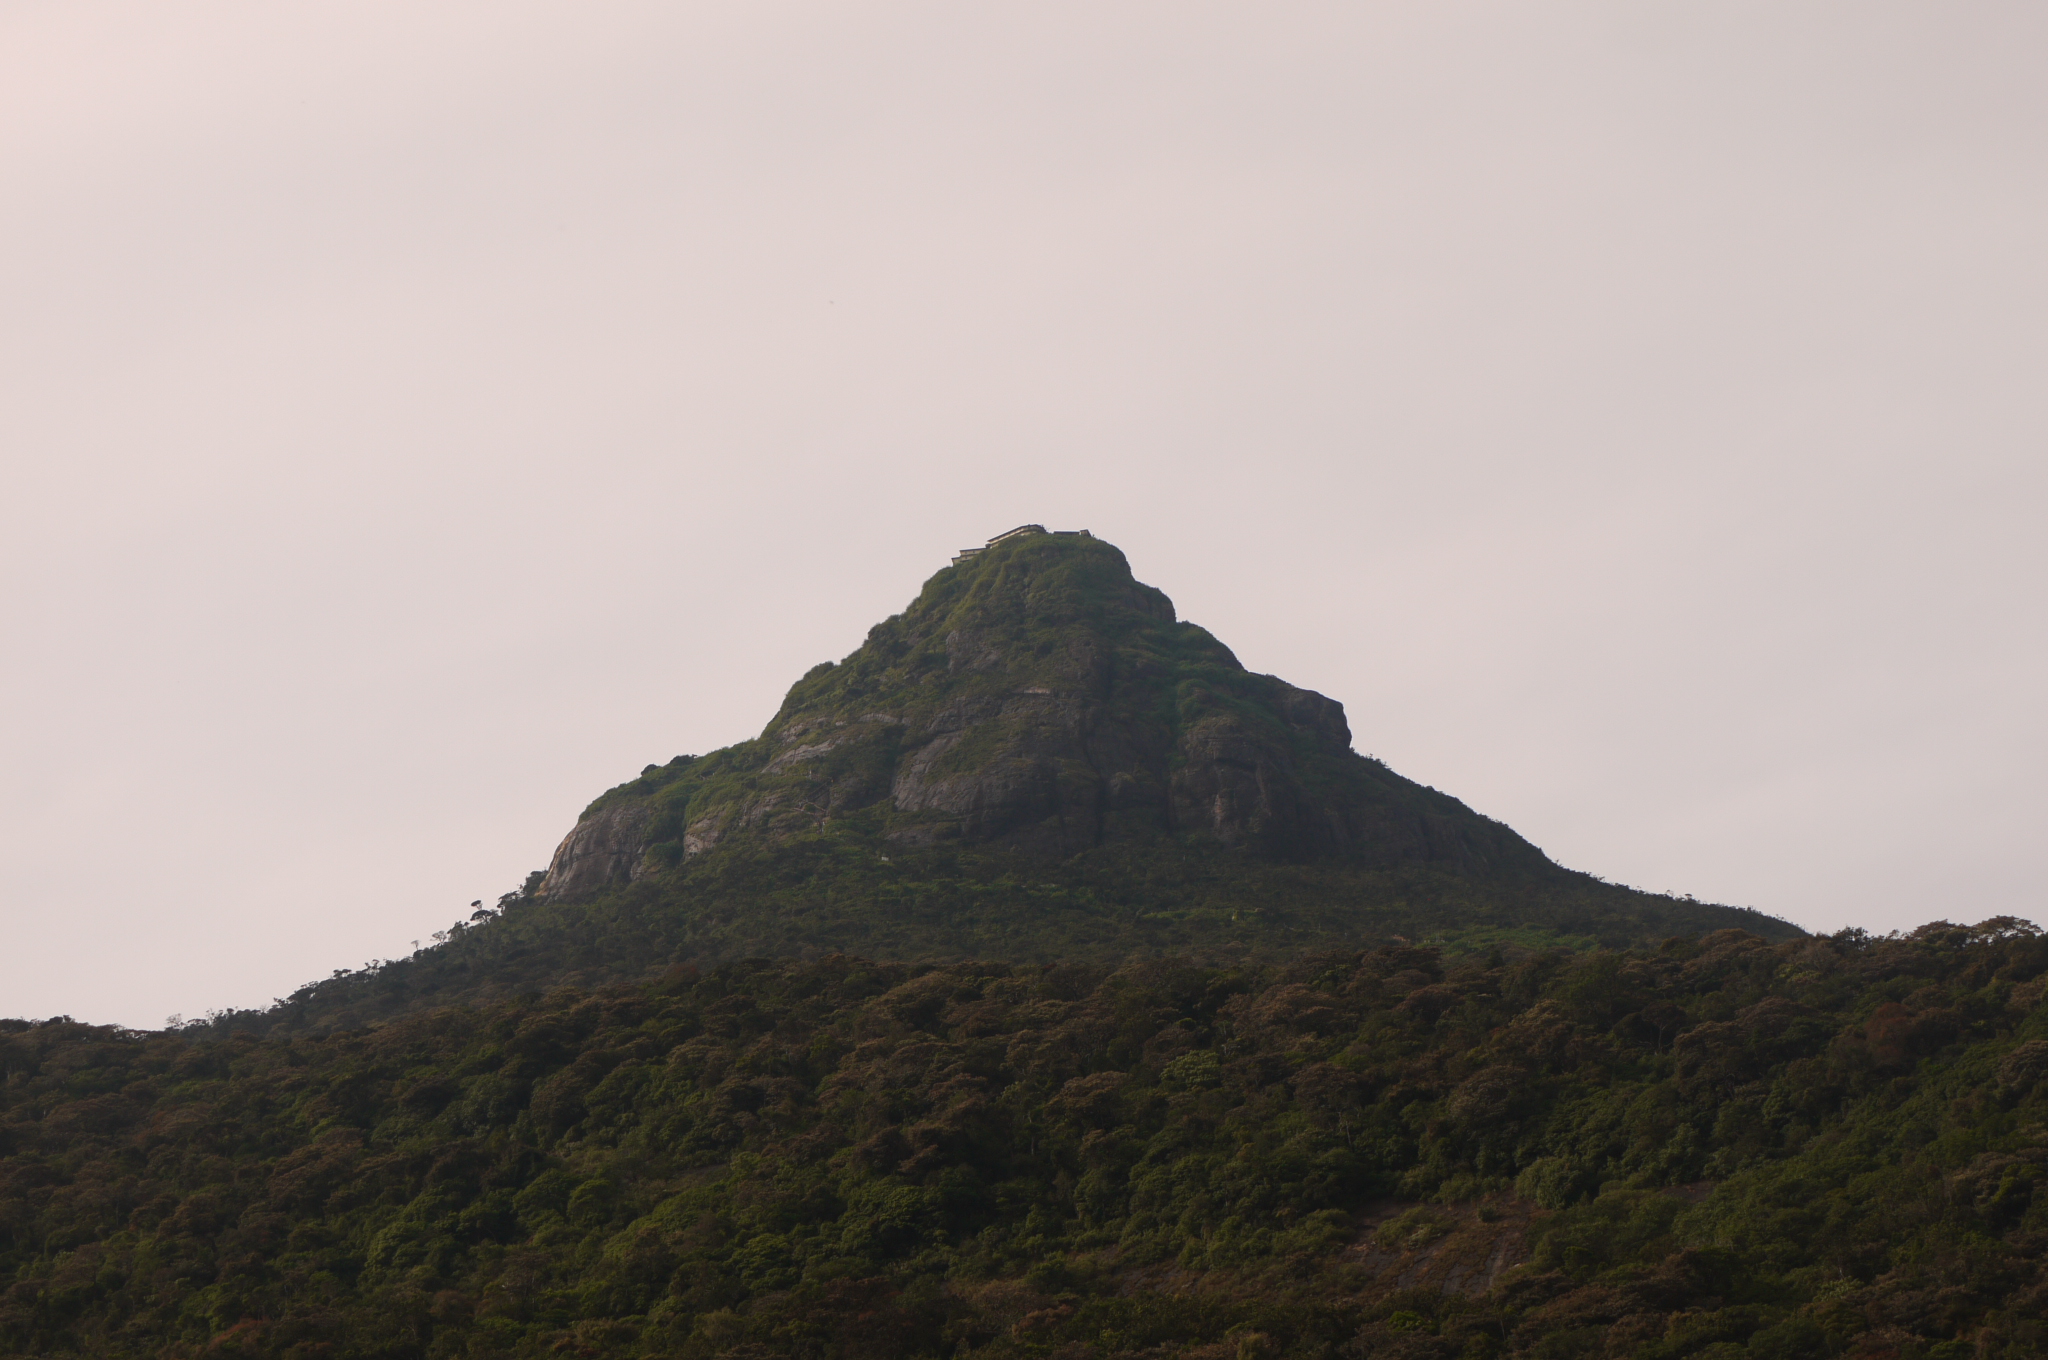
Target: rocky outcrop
605, 847
1037, 697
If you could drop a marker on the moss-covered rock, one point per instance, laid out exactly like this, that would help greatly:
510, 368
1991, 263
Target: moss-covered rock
1038, 698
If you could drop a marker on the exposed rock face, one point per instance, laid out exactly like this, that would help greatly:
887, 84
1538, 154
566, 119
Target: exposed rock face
607, 846
1038, 697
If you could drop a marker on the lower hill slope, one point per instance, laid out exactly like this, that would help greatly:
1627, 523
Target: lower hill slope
845, 889
1724, 1146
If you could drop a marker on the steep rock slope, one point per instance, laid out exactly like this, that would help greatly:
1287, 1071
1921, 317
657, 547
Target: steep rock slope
1037, 698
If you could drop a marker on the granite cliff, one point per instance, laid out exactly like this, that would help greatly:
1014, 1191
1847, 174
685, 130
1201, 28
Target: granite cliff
1036, 697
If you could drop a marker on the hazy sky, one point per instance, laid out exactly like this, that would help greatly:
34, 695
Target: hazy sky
419, 416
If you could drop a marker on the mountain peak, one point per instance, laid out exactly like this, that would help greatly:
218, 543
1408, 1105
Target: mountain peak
1021, 531
1037, 697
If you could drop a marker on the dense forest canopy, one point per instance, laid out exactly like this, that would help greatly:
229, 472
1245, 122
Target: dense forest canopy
1722, 1146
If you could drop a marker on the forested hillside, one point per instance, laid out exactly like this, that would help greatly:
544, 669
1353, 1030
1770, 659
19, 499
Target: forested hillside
840, 890
1041, 982
1724, 1146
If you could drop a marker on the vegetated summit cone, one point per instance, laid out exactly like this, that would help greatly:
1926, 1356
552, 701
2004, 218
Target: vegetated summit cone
1037, 702
1038, 698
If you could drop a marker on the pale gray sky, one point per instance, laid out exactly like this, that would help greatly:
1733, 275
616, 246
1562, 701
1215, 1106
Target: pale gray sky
419, 416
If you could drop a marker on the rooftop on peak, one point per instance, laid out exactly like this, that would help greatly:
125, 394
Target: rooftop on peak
1021, 531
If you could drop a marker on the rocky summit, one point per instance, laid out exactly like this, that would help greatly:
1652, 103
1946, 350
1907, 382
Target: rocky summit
1037, 697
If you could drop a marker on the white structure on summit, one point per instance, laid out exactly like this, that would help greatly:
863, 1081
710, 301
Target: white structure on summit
1021, 531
